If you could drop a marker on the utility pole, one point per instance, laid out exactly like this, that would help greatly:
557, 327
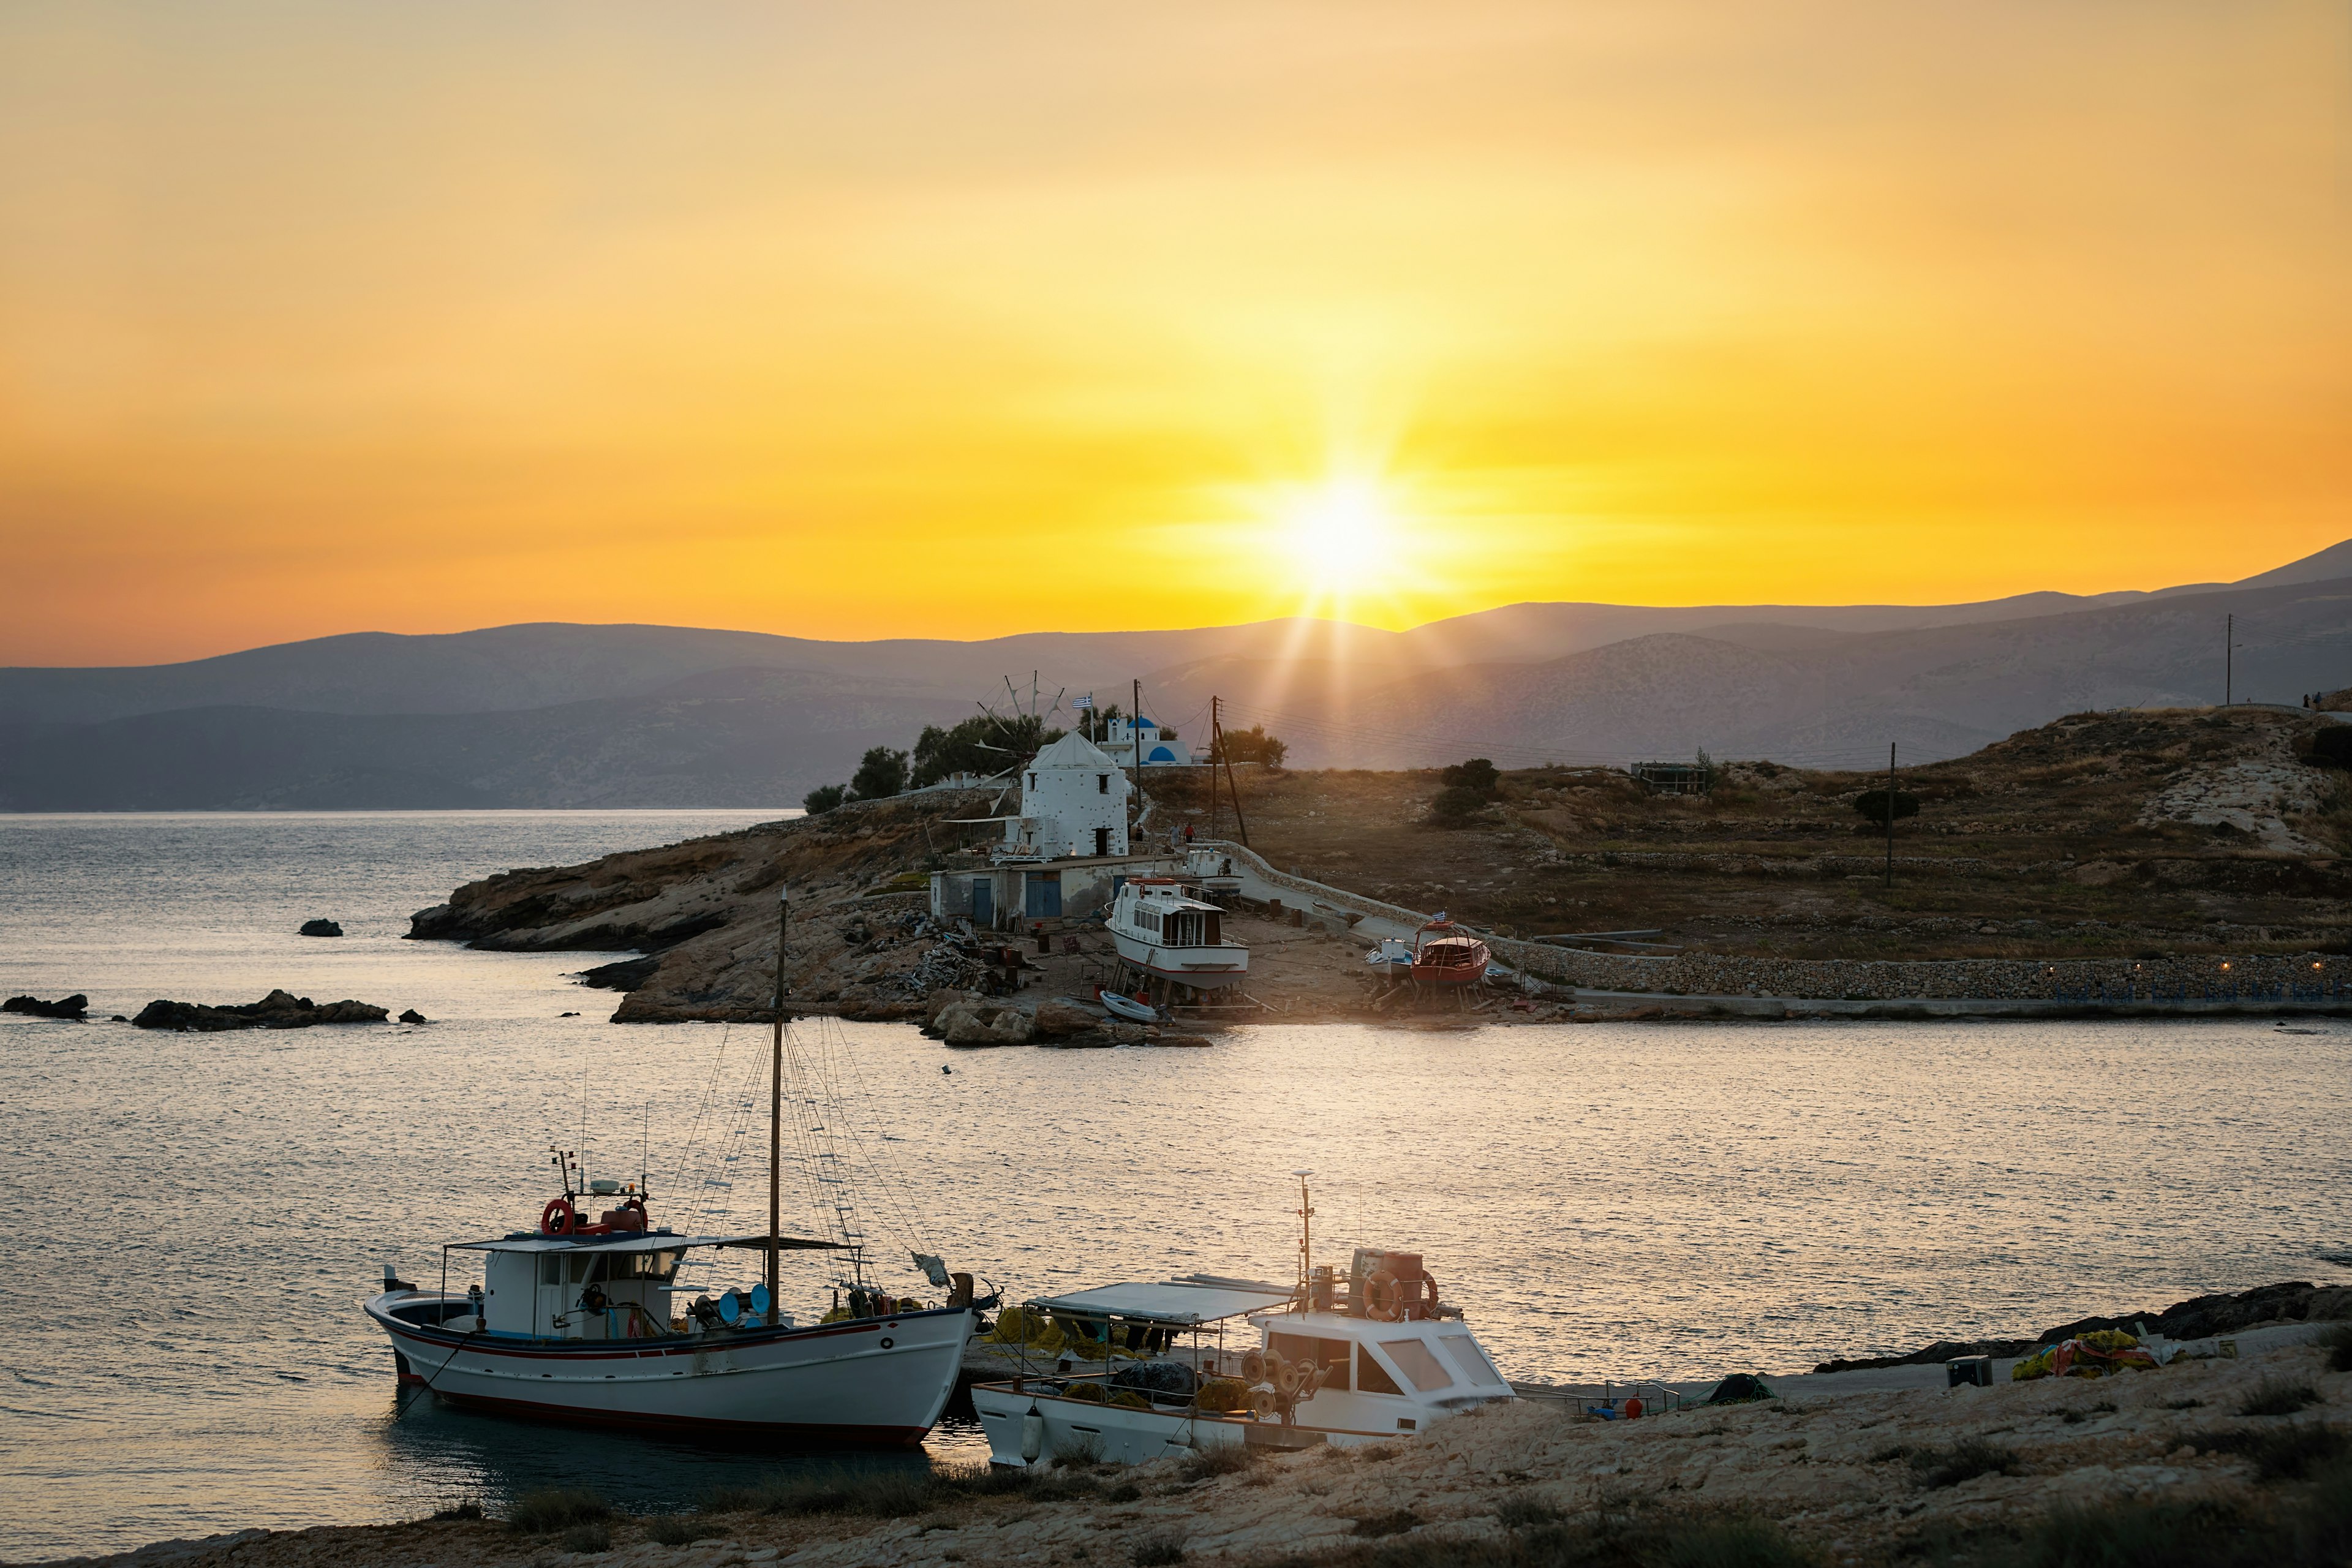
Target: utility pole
1890, 816
2228, 657
1219, 750
776, 1114
1216, 747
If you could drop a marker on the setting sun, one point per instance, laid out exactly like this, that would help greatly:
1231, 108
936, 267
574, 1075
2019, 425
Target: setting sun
1342, 537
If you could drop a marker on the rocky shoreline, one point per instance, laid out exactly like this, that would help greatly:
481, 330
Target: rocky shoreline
2216, 1461
702, 915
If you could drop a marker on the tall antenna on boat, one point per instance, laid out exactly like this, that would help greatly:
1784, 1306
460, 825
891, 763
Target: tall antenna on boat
776, 1111
1305, 1231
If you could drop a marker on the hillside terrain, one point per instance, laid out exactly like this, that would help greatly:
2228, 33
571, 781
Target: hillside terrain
2164, 834
573, 716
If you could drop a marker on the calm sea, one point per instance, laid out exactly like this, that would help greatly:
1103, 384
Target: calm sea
197, 1217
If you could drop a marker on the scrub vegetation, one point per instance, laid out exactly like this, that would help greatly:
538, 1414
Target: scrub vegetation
2060, 842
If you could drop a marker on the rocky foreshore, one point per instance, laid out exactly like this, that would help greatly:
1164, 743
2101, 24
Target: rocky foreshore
2203, 1461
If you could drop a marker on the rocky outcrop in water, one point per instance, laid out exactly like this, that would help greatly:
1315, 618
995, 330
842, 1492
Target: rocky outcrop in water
73, 1007
320, 928
279, 1010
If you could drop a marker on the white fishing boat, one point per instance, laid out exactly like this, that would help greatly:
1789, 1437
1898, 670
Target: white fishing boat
1161, 930
1340, 1360
580, 1320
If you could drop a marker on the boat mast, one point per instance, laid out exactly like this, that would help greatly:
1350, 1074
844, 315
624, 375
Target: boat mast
776, 1109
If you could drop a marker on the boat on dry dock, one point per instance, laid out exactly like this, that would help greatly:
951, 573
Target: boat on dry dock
1168, 934
1445, 955
1145, 1369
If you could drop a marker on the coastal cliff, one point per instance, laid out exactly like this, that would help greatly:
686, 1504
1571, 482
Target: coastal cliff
704, 913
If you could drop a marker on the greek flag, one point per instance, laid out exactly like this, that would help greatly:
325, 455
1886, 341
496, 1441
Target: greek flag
1084, 704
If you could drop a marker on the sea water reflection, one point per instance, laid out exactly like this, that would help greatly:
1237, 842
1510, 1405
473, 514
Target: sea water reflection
200, 1215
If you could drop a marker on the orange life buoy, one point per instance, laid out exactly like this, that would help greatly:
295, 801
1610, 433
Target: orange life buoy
559, 1218
1431, 1281
1380, 1293
1632, 1409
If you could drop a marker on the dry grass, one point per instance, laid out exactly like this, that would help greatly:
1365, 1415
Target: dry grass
558, 1507
2036, 836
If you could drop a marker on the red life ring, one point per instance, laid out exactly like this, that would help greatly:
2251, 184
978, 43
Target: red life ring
1431, 1281
1380, 1293
559, 1218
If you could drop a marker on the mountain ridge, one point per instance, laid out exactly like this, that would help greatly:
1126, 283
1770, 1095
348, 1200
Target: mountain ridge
668, 716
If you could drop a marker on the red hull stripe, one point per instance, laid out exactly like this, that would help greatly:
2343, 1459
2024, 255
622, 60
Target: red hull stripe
792, 1431
484, 1345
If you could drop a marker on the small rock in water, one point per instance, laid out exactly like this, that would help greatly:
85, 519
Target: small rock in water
413, 1017
72, 1006
322, 928
278, 1010
567, 1015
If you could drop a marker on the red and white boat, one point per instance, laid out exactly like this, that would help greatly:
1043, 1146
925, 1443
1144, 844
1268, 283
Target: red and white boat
1446, 954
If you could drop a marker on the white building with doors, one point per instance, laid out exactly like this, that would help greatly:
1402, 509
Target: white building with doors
1074, 802
1065, 851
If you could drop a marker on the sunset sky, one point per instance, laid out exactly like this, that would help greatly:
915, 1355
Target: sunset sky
869, 320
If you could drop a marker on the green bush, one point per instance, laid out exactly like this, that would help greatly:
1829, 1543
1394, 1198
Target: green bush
1457, 804
2278, 1396
458, 1511
2332, 747
1872, 804
1202, 1464
2286, 1453
1477, 773
881, 774
1964, 1460
1523, 1511
1395, 1521
1252, 745
682, 1529
556, 1508
586, 1539
824, 798
2337, 1343
1156, 1551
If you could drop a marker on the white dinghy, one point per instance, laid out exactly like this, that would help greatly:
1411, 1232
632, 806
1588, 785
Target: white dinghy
579, 1321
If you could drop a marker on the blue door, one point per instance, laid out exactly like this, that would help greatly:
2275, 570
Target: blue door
1043, 900
983, 902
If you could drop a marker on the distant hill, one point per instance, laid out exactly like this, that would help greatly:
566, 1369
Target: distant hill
563, 715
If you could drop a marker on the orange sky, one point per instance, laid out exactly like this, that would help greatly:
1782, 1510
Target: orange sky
877, 321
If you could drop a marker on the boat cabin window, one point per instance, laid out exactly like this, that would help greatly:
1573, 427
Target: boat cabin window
1332, 1354
581, 1267
1414, 1359
1463, 1353
1372, 1376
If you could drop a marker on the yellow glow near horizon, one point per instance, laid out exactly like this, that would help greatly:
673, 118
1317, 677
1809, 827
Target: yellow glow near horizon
863, 321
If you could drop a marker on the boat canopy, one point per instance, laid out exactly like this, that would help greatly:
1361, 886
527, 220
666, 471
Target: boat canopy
634, 1241
1183, 1302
